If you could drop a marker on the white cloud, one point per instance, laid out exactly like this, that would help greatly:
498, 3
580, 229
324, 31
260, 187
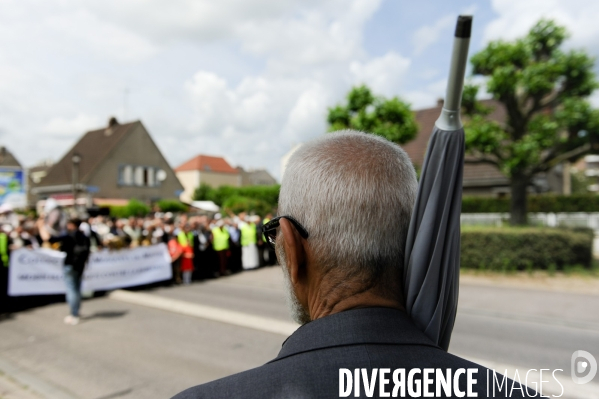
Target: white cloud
313, 58
71, 127
517, 17
71, 61
384, 74
428, 95
98, 38
212, 102
428, 35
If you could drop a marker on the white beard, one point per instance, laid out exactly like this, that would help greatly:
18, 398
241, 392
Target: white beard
298, 313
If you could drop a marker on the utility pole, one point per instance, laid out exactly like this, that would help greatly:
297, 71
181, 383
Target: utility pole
76, 159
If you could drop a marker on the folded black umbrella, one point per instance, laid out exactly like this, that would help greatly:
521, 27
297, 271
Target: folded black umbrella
432, 263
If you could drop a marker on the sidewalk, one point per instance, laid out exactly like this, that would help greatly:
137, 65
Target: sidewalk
16, 383
11, 389
535, 281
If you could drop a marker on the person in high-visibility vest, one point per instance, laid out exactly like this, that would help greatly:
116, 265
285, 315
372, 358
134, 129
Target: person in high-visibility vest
4, 248
186, 239
220, 244
249, 239
4, 257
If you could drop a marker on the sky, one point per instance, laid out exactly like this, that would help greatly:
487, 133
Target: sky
243, 79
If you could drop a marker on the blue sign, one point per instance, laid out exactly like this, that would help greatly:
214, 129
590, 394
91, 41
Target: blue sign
12, 188
92, 189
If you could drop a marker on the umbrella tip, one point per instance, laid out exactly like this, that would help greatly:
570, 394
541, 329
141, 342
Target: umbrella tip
464, 26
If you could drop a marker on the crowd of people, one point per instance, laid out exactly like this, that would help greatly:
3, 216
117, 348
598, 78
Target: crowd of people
200, 246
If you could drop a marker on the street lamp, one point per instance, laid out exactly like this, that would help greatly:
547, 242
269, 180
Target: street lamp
76, 159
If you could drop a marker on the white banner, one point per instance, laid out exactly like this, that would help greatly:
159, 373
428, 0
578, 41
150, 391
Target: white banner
39, 272
35, 272
107, 270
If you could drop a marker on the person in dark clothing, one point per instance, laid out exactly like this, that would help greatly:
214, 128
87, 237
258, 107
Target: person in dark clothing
234, 261
262, 247
76, 245
203, 259
269, 252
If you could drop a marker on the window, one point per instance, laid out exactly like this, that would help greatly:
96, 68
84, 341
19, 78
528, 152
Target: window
126, 175
141, 176
150, 177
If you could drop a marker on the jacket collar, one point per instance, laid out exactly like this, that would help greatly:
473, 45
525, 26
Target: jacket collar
355, 327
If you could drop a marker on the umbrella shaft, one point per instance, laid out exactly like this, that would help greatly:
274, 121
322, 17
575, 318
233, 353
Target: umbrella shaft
455, 84
450, 116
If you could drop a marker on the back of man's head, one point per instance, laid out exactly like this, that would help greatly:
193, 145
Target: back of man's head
354, 193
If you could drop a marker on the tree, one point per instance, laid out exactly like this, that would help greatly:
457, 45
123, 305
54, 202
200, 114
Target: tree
544, 90
390, 118
203, 193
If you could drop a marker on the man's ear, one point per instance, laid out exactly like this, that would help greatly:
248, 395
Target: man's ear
294, 251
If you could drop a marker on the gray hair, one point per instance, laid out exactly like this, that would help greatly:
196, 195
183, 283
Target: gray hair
354, 193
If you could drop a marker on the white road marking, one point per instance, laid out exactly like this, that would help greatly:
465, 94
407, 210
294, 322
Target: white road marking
206, 312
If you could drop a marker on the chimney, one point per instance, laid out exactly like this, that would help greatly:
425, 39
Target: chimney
112, 122
440, 102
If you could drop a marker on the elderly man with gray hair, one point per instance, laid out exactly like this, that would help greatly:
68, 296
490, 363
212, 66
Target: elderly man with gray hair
345, 205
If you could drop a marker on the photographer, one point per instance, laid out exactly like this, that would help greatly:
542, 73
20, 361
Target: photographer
76, 245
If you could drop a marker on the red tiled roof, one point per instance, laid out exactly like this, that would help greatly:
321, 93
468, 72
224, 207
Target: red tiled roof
474, 174
207, 163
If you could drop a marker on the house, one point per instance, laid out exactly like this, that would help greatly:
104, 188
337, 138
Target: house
256, 177
589, 166
479, 179
206, 169
12, 181
7, 159
35, 174
110, 166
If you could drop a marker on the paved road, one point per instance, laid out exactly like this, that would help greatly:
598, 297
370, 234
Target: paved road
123, 350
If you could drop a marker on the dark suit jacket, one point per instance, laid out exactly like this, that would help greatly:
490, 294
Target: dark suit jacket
309, 362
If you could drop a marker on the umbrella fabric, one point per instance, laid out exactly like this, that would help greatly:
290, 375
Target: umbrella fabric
432, 262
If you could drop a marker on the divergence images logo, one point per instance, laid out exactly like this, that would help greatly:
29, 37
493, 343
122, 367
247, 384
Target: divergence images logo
582, 362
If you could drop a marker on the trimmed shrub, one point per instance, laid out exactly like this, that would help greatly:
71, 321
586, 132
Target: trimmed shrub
485, 205
237, 204
525, 248
172, 205
133, 208
220, 195
536, 203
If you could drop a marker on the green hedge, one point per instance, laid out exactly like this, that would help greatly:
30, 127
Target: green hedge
536, 203
267, 197
172, 205
237, 204
133, 208
526, 248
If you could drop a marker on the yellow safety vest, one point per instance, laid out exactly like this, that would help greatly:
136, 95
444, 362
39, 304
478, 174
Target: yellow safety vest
4, 249
248, 235
220, 239
185, 239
